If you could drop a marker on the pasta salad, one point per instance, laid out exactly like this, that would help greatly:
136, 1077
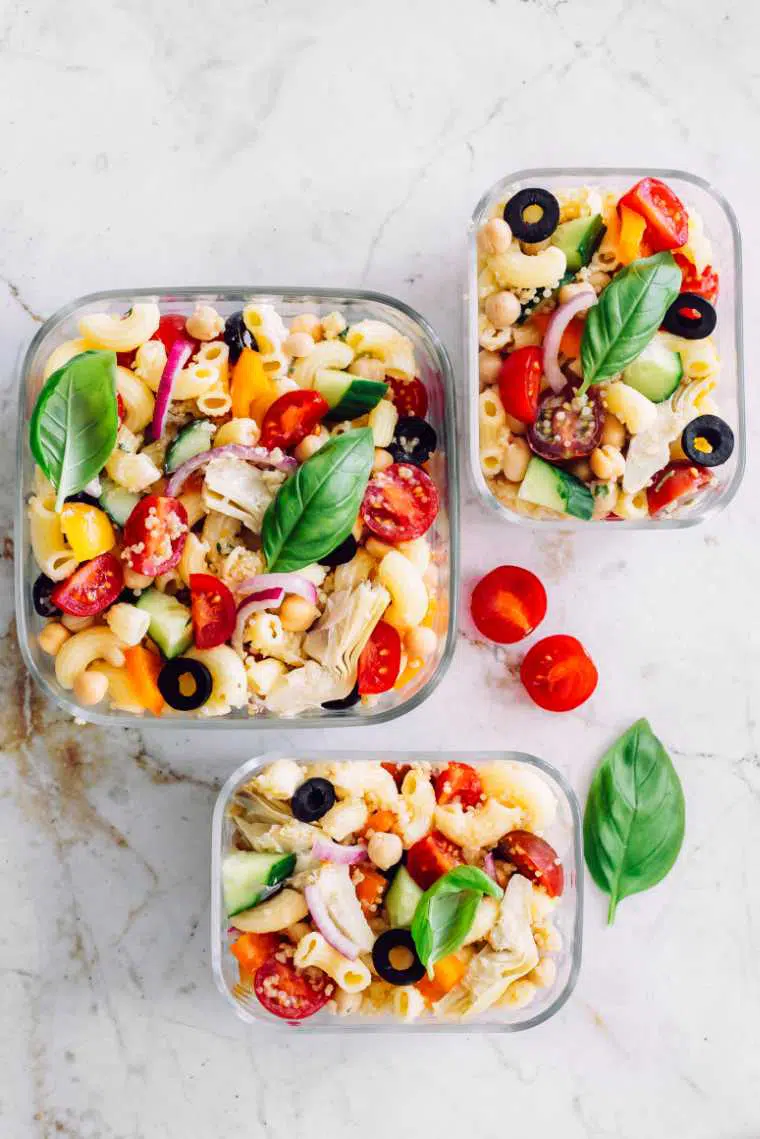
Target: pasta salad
232, 515
411, 891
597, 362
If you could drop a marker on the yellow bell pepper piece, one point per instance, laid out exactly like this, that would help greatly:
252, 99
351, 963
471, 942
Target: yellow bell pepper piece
632, 226
251, 389
87, 530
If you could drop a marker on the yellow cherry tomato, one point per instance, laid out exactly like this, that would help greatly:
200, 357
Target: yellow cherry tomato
87, 530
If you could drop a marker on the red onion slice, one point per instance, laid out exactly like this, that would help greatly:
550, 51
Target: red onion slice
258, 455
560, 319
180, 352
327, 851
489, 866
327, 926
264, 599
290, 582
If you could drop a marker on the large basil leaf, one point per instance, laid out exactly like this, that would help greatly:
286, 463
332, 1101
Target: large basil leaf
75, 420
627, 315
634, 821
315, 510
445, 913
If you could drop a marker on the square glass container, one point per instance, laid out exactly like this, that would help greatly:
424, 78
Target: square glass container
434, 371
722, 229
564, 835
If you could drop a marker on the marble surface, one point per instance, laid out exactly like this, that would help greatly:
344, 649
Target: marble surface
346, 144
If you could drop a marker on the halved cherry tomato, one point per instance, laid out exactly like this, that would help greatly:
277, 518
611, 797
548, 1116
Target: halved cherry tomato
676, 483
563, 430
288, 993
534, 858
409, 396
399, 771
91, 588
664, 212
520, 383
558, 674
292, 417
253, 950
380, 660
155, 534
704, 284
121, 410
370, 886
508, 604
400, 503
431, 858
213, 610
170, 327
458, 782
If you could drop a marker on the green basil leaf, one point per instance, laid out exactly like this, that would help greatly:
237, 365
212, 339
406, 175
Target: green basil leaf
315, 510
445, 913
633, 826
75, 420
627, 315
467, 878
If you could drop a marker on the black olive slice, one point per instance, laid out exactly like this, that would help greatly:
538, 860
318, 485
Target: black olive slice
690, 316
345, 702
342, 553
185, 684
238, 336
312, 800
41, 591
532, 231
89, 499
389, 947
414, 440
712, 431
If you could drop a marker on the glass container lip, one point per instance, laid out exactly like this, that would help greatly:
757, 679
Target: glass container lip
716, 503
241, 774
287, 292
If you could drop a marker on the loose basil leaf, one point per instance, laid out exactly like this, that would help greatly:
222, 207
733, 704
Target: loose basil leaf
627, 315
315, 510
633, 826
445, 913
75, 420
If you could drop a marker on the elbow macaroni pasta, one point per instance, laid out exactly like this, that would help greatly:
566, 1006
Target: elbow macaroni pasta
314, 952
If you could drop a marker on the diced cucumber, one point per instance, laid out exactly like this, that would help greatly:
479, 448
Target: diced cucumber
170, 626
117, 502
349, 396
401, 899
546, 485
578, 239
656, 373
248, 878
192, 440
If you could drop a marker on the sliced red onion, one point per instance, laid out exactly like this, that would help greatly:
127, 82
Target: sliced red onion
560, 319
327, 926
489, 866
179, 353
258, 455
327, 851
264, 599
290, 582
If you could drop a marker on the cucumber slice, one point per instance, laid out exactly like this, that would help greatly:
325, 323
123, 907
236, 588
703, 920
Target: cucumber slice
546, 485
579, 239
248, 878
349, 397
117, 502
170, 626
656, 373
401, 899
192, 440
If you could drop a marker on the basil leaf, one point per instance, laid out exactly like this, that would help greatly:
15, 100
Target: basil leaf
315, 510
627, 315
445, 913
633, 826
75, 420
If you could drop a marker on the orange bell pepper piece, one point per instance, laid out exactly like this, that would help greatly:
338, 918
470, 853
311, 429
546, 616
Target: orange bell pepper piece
447, 973
370, 885
570, 344
632, 226
380, 821
143, 667
252, 950
251, 389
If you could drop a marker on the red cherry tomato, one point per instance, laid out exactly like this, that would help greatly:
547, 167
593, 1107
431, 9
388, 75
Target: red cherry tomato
400, 503
155, 534
288, 993
409, 396
170, 327
508, 604
431, 858
292, 417
558, 674
563, 430
398, 771
380, 660
121, 410
664, 212
458, 783
520, 383
678, 482
704, 284
535, 859
91, 588
213, 609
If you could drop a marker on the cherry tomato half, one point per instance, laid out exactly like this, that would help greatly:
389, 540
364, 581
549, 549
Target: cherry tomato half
664, 212
431, 858
563, 429
170, 327
121, 410
292, 417
288, 993
91, 588
704, 284
400, 503
558, 674
508, 604
213, 610
409, 396
520, 383
155, 534
458, 783
380, 660
534, 858
678, 482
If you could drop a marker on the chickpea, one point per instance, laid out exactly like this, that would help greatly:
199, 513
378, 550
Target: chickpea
574, 289
52, 637
494, 237
607, 463
307, 322
384, 850
204, 323
599, 280
298, 344
516, 426
613, 432
297, 614
605, 498
309, 446
368, 368
333, 324
90, 687
420, 642
382, 460
502, 309
489, 367
581, 468
516, 459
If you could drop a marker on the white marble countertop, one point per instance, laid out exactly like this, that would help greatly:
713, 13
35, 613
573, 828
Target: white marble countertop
346, 144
